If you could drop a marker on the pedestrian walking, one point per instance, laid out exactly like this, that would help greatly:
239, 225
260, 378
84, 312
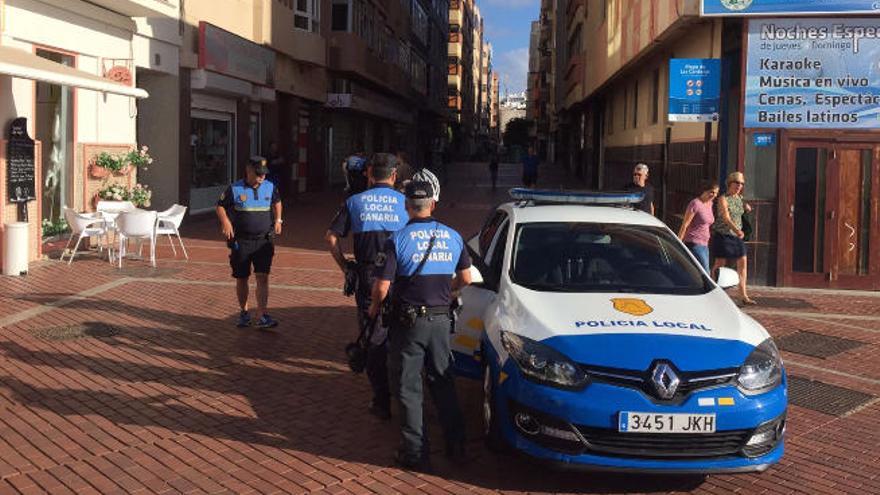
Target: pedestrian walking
639, 183
493, 169
405, 169
530, 168
698, 218
370, 216
727, 243
250, 217
354, 169
420, 260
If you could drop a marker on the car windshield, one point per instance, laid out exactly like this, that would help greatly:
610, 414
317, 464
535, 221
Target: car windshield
594, 257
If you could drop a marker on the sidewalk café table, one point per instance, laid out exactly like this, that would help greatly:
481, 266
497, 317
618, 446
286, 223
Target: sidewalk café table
110, 211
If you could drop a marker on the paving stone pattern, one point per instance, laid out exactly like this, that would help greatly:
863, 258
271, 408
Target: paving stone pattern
181, 401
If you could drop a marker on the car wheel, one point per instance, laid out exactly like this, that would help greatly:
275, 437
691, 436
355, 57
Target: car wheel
491, 426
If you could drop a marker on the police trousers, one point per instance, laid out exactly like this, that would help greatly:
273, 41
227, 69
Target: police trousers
425, 345
377, 352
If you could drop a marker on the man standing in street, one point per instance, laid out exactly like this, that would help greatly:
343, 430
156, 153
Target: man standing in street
420, 260
640, 184
371, 216
250, 217
530, 168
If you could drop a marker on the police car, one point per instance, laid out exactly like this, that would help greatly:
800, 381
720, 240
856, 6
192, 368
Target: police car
601, 342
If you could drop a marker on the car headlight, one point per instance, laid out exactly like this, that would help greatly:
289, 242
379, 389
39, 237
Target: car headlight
762, 370
542, 363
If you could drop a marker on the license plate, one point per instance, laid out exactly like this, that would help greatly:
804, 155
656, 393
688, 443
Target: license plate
640, 422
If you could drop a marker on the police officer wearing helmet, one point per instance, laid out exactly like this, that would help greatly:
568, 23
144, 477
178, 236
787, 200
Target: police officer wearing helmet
418, 264
250, 217
371, 216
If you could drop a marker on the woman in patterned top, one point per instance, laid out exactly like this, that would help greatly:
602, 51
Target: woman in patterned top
727, 234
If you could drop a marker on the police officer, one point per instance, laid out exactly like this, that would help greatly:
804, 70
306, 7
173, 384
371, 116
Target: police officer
250, 217
420, 260
371, 216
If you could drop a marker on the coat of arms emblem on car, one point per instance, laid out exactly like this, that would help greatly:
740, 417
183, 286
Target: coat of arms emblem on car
632, 306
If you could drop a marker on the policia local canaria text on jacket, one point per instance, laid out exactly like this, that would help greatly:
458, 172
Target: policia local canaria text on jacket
371, 216
250, 217
417, 264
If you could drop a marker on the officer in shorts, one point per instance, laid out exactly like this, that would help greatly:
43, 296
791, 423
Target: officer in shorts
250, 217
420, 259
371, 216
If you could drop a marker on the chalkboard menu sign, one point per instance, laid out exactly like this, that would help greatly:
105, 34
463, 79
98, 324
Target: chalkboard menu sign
20, 166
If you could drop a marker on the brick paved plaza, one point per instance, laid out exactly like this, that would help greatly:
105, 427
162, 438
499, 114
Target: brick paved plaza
164, 394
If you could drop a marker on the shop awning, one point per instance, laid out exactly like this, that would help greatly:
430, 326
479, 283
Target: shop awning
19, 63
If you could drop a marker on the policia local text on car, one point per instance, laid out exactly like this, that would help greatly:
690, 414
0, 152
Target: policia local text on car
371, 216
420, 259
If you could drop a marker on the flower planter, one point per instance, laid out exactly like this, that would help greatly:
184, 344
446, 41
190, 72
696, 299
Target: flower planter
97, 172
123, 171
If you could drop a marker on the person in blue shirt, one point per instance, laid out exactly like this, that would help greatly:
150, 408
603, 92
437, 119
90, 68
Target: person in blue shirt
417, 265
530, 168
250, 217
370, 216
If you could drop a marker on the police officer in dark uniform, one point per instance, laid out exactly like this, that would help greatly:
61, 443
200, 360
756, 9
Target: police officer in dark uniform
420, 259
371, 216
250, 217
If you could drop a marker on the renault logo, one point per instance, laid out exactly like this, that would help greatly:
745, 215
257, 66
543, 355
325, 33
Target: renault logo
665, 381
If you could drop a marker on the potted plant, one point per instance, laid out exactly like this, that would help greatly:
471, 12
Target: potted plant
104, 164
140, 195
139, 158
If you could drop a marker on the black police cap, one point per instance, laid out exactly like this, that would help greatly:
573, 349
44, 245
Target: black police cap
259, 165
419, 190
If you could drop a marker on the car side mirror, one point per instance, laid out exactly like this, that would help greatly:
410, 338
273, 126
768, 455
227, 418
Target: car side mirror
474, 244
476, 276
727, 278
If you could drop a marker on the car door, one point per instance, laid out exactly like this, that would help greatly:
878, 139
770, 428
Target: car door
476, 298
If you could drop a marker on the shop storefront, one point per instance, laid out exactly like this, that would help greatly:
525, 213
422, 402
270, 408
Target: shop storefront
810, 138
73, 83
232, 93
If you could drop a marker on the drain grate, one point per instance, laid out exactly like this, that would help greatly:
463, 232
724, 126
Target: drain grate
824, 398
147, 272
784, 303
77, 331
816, 344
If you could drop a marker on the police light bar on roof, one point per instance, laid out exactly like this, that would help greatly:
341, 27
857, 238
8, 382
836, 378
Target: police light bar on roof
577, 198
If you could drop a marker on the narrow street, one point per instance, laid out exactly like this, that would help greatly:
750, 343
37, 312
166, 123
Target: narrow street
137, 380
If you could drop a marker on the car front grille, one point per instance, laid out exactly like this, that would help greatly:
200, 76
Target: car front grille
648, 445
641, 380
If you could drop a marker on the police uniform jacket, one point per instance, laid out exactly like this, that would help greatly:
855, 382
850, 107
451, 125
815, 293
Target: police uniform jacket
371, 216
406, 248
250, 209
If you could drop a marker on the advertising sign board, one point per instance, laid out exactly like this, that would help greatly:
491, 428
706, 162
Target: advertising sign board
783, 7
694, 89
813, 73
227, 53
20, 165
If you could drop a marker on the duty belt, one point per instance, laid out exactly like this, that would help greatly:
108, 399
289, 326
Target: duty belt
423, 311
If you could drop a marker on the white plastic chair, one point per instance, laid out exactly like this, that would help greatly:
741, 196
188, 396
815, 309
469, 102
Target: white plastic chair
169, 223
82, 225
109, 210
137, 224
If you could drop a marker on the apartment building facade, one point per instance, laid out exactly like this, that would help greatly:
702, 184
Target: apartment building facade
799, 152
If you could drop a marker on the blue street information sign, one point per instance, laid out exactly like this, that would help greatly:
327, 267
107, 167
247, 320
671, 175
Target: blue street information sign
813, 74
781, 7
694, 89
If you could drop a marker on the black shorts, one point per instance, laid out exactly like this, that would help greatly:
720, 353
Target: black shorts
247, 252
727, 246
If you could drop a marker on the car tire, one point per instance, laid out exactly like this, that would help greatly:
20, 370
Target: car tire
491, 426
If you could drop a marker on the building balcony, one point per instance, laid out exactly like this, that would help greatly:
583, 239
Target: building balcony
349, 54
142, 8
297, 44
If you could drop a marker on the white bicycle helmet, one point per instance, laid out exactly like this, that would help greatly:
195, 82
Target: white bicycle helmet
425, 175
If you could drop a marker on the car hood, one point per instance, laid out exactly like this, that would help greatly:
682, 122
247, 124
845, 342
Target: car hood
631, 331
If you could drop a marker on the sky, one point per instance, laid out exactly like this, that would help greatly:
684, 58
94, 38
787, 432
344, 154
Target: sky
507, 24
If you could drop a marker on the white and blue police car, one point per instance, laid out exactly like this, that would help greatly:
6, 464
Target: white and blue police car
602, 343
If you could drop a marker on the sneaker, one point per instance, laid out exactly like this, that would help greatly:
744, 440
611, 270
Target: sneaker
244, 319
266, 322
418, 463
